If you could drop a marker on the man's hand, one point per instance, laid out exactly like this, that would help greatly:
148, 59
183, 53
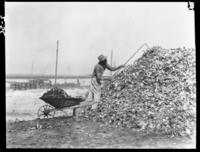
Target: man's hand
121, 66
107, 79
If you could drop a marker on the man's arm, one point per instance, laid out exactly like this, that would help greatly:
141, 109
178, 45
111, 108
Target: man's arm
114, 68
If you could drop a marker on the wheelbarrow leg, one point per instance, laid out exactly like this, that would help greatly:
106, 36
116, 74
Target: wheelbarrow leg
76, 112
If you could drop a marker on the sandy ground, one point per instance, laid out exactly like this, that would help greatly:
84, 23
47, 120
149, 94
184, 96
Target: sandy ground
66, 132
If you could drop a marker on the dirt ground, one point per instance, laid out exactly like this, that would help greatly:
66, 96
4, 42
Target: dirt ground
66, 132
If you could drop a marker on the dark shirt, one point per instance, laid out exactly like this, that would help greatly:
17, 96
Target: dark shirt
99, 69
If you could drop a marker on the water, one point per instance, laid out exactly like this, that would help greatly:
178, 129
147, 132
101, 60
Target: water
83, 82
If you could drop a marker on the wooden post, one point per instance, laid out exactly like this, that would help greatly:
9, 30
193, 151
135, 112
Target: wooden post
56, 63
114, 63
32, 70
111, 61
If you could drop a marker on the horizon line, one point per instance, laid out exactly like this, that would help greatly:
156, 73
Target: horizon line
29, 76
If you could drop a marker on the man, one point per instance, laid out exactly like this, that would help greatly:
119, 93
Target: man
97, 78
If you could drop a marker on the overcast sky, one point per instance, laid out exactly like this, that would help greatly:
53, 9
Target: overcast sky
86, 30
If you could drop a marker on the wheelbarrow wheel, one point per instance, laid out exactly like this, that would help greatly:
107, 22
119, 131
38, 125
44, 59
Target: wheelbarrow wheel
46, 111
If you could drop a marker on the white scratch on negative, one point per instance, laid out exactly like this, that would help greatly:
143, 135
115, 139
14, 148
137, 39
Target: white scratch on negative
2, 25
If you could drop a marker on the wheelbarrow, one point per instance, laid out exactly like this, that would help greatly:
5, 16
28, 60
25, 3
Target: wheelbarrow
54, 104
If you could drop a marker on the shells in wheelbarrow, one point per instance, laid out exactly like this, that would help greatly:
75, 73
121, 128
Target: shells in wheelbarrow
56, 93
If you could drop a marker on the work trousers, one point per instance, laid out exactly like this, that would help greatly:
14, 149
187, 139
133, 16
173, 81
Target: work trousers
95, 92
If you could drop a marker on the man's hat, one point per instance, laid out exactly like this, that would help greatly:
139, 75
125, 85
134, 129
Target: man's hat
102, 57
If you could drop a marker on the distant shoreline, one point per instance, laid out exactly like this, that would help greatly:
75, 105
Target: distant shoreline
27, 76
